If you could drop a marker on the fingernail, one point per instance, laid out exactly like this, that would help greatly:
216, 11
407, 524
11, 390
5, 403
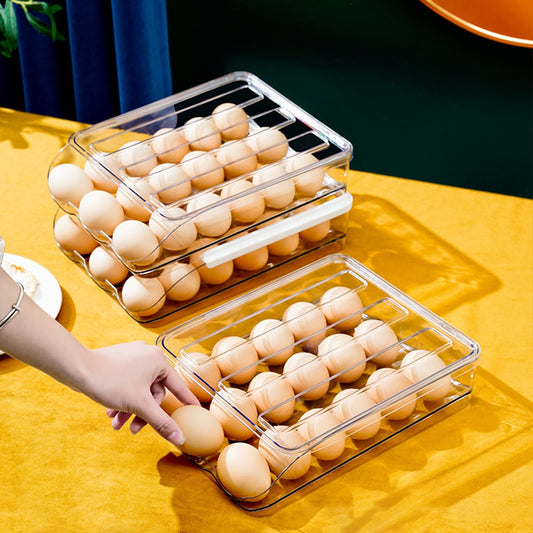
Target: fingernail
176, 439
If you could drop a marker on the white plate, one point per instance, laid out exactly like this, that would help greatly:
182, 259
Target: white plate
48, 293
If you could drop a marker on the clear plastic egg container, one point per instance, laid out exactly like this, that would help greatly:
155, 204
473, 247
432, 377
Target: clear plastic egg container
229, 174
365, 368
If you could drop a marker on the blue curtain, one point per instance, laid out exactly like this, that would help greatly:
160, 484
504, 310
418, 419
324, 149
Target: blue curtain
115, 58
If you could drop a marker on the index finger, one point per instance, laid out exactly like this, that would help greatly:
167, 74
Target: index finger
176, 386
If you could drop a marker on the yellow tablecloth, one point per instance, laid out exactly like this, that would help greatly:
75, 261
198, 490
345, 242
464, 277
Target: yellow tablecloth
466, 255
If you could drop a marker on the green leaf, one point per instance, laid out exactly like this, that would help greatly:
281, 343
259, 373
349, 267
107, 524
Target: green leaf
49, 30
9, 30
38, 25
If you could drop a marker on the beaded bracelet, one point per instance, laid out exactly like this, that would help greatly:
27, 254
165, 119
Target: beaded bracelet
15, 308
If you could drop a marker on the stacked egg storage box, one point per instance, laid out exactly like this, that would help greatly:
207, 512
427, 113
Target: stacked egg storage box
171, 203
185, 198
315, 370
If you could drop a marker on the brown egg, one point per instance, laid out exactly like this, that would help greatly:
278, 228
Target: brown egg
202, 375
202, 134
244, 472
181, 281
344, 356
100, 211
237, 158
254, 260
273, 396
419, 365
170, 403
316, 233
138, 158
386, 382
284, 449
379, 341
135, 199
279, 194
68, 183
143, 296
352, 403
285, 246
103, 265
342, 307
101, 177
170, 182
236, 358
269, 144
273, 341
135, 242
237, 413
316, 424
307, 374
72, 236
211, 216
248, 204
174, 230
231, 120
307, 181
307, 323
203, 169
169, 145
211, 275
202, 432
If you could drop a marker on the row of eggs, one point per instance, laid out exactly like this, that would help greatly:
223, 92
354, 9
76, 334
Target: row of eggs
102, 210
180, 161
273, 394
142, 243
178, 281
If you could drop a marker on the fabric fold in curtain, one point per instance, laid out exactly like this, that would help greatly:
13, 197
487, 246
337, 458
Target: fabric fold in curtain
115, 58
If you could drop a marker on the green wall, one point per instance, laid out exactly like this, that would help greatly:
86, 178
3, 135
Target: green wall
417, 96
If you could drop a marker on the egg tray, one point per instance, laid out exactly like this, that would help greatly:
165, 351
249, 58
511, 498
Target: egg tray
415, 328
100, 150
100, 146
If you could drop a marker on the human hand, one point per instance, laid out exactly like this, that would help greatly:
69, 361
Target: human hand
130, 380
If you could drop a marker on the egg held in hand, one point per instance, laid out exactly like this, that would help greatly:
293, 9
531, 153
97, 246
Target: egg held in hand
202, 432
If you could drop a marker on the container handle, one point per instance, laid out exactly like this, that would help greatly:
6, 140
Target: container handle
278, 230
